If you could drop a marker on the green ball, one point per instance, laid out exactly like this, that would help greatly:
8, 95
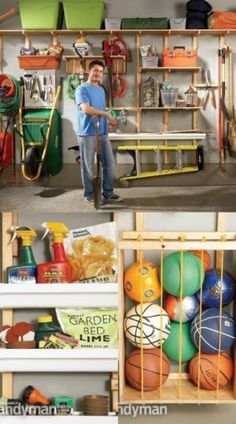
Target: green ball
172, 346
192, 272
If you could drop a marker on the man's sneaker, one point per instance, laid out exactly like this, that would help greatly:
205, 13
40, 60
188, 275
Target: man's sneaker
114, 196
89, 200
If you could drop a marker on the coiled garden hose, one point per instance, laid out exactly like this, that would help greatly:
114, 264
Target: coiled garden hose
72, 82
10, 105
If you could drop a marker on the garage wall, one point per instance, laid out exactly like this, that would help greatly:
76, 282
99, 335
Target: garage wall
152, 121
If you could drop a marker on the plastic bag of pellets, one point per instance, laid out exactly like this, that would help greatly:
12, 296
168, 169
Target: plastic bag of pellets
92, 254
93, 327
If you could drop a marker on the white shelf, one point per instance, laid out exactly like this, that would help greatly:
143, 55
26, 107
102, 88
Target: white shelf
157, 136
58, 295
80, 419
58, 360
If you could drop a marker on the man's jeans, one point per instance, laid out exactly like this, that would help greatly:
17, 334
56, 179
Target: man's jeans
87, 155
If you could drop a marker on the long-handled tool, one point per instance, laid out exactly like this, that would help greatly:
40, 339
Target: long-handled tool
220, 136
97, 181
10, 12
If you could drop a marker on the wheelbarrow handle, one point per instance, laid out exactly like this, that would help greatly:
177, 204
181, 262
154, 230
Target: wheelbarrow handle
17, 131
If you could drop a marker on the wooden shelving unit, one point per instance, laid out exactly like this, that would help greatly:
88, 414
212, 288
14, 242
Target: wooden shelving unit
40, 360
178, 388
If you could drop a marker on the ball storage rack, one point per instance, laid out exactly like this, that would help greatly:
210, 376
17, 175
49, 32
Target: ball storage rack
178, 389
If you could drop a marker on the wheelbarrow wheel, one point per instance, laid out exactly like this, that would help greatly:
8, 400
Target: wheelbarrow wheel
31, 161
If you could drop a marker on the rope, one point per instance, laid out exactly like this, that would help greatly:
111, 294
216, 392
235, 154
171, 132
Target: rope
220, 320
10, 105
200, 328
161, 347
181, 320
141, 320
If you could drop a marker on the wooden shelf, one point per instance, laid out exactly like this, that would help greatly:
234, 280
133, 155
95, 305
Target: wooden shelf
157, 136
73, 63
58, 295
170, 394
170, 69
69, 419
170, 108
58, 360
161, 32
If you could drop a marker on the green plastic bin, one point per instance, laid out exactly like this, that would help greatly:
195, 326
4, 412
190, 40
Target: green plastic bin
41, 14
83, 14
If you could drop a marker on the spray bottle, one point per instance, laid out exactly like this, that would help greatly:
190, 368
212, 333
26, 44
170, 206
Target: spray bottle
59, 270
26, 271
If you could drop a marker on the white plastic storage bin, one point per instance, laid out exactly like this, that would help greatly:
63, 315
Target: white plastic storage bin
149, 61
177, 23
112, 24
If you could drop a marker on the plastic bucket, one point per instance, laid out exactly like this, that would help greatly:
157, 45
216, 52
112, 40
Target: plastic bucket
169, 97
83, 14
39, 15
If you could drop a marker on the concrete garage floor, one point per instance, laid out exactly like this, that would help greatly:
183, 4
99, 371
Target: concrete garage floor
207, 190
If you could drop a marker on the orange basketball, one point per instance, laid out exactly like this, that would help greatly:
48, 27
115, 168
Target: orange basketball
208, 370
153, 376
141, 282
206, 257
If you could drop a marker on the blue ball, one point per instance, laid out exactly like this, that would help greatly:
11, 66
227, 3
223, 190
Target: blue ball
210, 329
212, 286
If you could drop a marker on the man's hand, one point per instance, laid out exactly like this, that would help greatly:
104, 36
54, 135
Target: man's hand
112, 120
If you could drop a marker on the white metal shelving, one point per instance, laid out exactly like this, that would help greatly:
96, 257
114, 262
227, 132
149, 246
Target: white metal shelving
59, 360
58, 295
156, 136
69, 419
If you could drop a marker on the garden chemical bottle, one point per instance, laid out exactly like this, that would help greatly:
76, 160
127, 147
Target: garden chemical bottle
45, 328
59, 270
26, 271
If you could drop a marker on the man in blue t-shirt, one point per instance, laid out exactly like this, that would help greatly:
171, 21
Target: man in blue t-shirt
91, 106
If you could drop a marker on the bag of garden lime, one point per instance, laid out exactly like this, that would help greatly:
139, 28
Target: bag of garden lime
92, 254
93, 327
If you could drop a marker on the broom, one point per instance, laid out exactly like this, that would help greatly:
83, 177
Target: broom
97, 181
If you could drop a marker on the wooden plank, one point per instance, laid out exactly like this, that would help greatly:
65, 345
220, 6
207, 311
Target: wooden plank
176, 245
7, 249
139, 225
220, 227
115, 392
121, 320
173, 235
7, 385
170, 394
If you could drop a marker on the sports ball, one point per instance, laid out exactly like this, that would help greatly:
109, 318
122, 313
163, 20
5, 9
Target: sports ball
208, 371
145, 275
212, 286
155, 325
206, 257
210, 331
192, 274
190, 307
154, 375
172, 345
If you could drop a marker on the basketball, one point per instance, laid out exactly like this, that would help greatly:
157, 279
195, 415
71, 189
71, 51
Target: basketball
154, 375
192, 273
206, 257
172, 345
208, 373
148, 324
143, 276
190, 307
212, 287
210, 330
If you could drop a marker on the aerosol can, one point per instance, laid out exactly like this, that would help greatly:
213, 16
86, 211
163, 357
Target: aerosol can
26, 270
58, 270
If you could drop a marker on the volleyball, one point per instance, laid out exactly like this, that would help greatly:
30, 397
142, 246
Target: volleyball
147, 324
141, 282
190, 307
192, 273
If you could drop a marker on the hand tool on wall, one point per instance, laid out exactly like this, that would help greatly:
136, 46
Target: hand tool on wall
10, 12
220, 123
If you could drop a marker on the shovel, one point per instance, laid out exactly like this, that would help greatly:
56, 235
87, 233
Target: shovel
97, 181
